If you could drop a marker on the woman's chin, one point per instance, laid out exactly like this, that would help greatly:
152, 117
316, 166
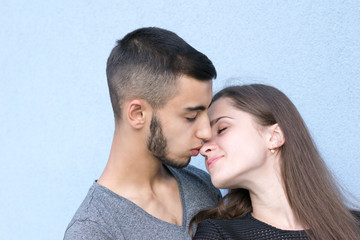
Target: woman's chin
218, 183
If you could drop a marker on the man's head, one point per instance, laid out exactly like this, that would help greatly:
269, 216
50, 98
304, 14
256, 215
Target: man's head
157, 66
146, 64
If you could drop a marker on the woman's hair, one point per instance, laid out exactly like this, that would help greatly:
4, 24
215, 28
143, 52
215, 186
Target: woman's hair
310, 188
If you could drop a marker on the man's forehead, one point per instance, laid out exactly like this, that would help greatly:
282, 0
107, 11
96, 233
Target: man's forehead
191, 95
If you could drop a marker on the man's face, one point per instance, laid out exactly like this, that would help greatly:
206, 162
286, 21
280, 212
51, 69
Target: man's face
178, 129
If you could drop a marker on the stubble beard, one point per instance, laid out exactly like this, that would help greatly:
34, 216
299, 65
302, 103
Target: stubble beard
157, 145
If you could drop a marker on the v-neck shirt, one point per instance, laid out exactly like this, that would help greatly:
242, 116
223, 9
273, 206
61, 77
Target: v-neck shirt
107, 215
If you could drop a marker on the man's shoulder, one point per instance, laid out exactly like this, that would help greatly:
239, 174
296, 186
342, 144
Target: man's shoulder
194, 171
95, 214
100, 202
197, 184
88, 229
193, 175
106, 215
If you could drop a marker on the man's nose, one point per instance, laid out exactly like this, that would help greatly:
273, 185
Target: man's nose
204, 130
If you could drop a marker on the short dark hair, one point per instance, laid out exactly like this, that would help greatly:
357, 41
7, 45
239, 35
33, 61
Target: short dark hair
146, 64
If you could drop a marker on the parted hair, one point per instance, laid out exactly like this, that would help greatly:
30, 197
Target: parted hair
311, 190
147, 62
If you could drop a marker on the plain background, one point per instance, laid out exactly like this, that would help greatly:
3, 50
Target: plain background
56, 121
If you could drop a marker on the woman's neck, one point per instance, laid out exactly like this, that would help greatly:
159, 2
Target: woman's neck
270, 204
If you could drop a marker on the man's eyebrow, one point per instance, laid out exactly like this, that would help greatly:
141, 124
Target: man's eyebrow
197, 108
212, 123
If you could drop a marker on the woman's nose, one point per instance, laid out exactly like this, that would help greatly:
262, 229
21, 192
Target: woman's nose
207, 148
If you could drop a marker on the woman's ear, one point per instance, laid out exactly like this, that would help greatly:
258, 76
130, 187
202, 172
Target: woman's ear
277, 138
137, 113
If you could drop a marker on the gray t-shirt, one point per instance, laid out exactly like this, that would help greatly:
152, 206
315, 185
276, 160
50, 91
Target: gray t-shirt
106, 215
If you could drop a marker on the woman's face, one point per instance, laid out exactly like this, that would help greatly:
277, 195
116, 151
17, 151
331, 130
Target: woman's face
237, 151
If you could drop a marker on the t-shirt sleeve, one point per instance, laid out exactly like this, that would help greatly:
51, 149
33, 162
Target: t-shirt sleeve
81, 230
207, 230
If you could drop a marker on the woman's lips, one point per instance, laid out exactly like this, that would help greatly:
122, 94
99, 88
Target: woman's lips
211, 161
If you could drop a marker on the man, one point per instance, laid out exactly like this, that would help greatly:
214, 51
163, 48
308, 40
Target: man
160, 88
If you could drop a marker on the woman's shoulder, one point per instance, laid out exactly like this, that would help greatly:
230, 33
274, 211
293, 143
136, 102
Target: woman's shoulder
247, 227
227, 222
208, 229
221, 228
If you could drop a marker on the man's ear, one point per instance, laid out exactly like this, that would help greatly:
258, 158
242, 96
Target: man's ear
277, 138
137, 111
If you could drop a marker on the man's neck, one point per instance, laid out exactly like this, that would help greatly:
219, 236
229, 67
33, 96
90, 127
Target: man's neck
133, 173
130, 165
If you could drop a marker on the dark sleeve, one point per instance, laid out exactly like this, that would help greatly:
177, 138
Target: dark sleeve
207, 230
89, 230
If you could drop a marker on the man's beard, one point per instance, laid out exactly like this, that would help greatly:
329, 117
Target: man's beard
157, 145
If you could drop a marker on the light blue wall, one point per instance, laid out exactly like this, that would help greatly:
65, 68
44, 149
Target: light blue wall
56, 121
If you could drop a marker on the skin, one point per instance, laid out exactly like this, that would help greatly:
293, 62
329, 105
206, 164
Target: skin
185, 122
135, 170
237, 150
238, 156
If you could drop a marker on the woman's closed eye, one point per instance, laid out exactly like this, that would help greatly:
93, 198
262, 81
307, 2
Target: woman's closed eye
221, 130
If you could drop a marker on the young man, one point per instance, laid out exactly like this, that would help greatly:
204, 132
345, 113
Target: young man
160, 88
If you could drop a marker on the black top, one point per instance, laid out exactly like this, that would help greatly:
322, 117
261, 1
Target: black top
243, 228
247, 228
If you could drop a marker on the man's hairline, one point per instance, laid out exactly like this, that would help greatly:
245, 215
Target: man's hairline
188, 109
172, 96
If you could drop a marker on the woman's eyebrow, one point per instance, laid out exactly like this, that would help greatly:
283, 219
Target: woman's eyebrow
212, 122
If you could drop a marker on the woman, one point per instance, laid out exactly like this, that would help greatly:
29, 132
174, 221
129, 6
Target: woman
280, 186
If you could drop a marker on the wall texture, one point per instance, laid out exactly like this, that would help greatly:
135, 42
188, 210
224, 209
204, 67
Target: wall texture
56, 120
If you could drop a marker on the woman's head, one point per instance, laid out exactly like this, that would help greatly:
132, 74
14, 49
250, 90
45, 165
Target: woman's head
241, 150
265, 120
309, 186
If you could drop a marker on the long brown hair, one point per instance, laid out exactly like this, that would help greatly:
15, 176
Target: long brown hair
311, 190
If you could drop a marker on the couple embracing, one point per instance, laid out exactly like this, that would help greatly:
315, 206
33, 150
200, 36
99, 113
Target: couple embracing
252, 137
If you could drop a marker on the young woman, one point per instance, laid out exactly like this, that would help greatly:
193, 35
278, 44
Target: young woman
280, 186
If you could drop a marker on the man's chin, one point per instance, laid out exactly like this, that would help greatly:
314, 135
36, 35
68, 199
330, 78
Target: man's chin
175, 163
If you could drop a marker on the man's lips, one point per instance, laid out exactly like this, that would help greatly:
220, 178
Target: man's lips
195, 151
211, 161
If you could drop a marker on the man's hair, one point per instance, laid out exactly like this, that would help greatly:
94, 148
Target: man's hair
146, 64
